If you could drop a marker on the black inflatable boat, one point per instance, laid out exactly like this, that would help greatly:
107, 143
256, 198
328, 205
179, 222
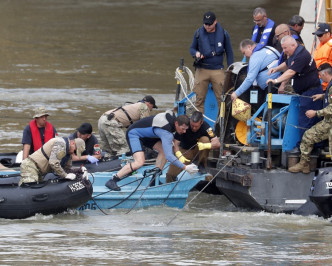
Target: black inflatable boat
52, 196
8, 160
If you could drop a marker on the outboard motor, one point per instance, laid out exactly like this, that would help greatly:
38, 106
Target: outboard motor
321, 191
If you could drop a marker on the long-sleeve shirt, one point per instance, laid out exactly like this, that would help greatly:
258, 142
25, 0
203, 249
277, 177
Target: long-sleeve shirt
259, 60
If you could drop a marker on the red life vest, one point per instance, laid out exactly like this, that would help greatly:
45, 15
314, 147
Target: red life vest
36, 138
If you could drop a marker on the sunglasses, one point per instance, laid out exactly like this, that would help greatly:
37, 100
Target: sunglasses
278, 35
208, 24
320, 35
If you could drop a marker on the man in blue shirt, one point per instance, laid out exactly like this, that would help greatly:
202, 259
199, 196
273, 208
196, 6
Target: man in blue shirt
155, 132
259, 64
208, 47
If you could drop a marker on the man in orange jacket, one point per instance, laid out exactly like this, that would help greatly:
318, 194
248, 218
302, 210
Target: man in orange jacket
323, 52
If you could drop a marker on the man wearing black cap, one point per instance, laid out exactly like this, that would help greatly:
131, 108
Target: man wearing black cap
85, 132
323, 52
323, 129
208, 47
112, 123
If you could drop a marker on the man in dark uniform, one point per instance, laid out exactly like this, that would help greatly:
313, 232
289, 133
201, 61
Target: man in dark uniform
210, 44
85, 132
301, 67
185, 147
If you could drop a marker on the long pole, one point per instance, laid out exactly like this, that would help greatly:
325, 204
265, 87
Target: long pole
269, 120
222, 128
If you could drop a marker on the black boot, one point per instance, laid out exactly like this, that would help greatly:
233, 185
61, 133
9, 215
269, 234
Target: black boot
202, 169
112, 185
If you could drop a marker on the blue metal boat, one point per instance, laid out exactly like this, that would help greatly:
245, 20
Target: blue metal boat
140, 190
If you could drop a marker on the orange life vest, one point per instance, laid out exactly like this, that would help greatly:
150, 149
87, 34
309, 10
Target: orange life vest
323, 54
36, 138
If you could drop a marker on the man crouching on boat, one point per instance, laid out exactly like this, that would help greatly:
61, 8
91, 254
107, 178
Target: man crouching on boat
155, 132
198, 140
54, 156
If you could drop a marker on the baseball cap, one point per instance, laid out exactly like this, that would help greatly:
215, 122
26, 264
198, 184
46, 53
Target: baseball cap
209, 17
80, 146
322, 28
40, 111
324, 66
85, 128
150, 99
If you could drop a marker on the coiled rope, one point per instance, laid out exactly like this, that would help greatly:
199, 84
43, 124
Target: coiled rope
184, 86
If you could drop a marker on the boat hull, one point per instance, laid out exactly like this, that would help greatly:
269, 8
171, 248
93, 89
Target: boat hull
172, 194
274, 190
49, 197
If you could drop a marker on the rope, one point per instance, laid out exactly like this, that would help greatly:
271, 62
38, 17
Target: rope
179, 179
183, 84
231, 159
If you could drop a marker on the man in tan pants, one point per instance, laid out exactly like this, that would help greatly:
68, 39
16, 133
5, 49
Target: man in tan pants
198, 139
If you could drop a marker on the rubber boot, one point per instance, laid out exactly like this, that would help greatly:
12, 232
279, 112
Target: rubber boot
302, 166
202, 169
112, 185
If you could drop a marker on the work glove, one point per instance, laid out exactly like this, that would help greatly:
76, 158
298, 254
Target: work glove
181, 158
70, 176
93, 159
85, 173
204, 146
192, 169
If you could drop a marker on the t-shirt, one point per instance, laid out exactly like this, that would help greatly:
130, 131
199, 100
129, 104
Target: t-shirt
27, 136
305, 67
89, 143
190, 138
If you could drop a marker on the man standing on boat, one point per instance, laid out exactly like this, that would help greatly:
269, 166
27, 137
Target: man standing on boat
208, 47
154, 132
54, 156
259, 64
198, 139
38, 132
112, 123
323, 52
264, 30
85, 132
323, 129
300, 67
296, 24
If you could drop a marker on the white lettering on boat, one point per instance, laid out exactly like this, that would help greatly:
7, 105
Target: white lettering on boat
328, 185
76, 186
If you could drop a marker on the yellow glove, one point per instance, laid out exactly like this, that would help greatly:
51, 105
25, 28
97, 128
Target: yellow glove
204, 146
181, 158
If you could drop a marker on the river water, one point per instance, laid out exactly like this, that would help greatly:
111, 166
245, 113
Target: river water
81, 58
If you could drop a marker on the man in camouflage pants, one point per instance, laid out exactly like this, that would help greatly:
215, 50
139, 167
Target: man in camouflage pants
323, 129
111, 125
54, 156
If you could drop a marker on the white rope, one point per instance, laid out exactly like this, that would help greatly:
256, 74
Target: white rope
184, 87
